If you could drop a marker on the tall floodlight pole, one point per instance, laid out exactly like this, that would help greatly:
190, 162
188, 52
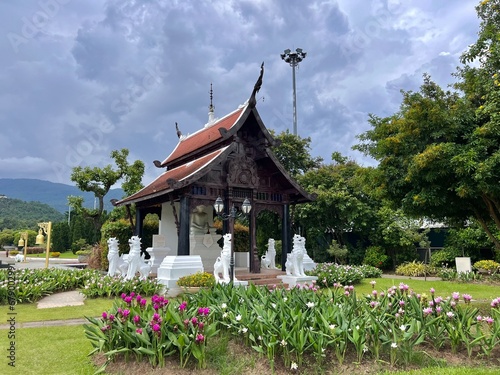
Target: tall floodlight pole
294, 58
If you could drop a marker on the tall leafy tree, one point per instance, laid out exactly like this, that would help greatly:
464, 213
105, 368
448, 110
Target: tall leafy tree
294, 153
100, 180
439, 154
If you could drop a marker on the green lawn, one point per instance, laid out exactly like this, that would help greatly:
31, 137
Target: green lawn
479, 292
65, 255
48, 351
28, 312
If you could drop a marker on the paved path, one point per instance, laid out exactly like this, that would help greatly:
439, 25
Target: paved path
48, 323
71, 298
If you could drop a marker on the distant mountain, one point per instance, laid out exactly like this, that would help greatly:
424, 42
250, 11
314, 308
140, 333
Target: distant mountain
17, 214
50, 193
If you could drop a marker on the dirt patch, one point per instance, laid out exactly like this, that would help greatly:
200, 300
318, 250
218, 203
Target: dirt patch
247, 362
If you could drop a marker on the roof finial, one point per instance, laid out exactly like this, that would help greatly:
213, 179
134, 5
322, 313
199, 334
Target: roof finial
211, 108
252, 101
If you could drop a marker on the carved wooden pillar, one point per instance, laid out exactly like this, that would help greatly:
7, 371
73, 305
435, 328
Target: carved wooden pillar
183, 239
285, 235
254, 256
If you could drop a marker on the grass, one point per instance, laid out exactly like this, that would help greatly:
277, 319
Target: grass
447, 371
48, 350
65, 255
479, 292
28, 312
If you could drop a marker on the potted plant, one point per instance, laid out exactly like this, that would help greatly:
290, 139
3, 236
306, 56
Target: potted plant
487, 266
194, 282
83, 255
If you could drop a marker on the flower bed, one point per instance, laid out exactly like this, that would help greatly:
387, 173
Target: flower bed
387, 326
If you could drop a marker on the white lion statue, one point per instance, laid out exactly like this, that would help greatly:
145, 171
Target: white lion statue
222, 265
268, 259
136, 262
116, 264
295, 260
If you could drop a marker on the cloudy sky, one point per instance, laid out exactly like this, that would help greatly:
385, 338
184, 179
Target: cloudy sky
79, 79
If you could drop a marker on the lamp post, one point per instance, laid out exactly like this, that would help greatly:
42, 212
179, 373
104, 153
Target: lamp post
294, 58
233, 214
23, 241
47, 229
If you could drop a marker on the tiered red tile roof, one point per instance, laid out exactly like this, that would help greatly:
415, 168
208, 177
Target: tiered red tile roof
203, 137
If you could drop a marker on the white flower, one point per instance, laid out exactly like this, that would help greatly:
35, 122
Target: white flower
223, 305
394, 345
238, 317
273, 305
294, 366
259, 338
310, 304
283, 342
357, 328
332, 326
224, 315
402, 327
244, 330
285, 299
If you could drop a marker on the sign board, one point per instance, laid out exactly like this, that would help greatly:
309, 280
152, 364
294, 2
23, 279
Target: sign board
159, 240
463, 264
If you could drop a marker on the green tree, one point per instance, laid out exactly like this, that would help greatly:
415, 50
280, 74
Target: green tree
342, 207
439, 155
100, 180
6, 237
293, 152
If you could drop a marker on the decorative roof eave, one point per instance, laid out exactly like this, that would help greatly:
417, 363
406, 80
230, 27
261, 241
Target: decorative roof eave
234, 129
306, 196
171, 184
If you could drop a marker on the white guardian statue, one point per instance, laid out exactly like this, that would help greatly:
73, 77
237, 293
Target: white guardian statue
136, 262
268, 259
295, 260
222, 264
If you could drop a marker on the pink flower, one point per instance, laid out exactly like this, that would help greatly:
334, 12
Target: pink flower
128, 300
156, 327
432, 291
111, 317
489, 319
126, 313
455, 296
467, 298
136, 319
374, 293
200, 338
495, 303
427, 311
123, 295
104, 315
183, 306
194, 320
479, 318
203, 311
201, 325
138, 330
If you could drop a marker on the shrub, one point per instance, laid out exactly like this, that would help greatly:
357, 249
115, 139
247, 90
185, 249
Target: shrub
35, 250
415, 269
199, 279
370, 271
487, 265
331, 273
444, 258
55, 254
339, 253
375, 256
13, 252
83, 252
95, 258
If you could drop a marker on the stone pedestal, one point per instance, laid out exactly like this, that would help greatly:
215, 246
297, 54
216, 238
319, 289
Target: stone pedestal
206, 246
309, 264
159, 253
174, 267
242, 259
292, 281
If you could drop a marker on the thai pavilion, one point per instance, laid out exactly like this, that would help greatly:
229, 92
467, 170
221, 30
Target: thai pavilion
230, 158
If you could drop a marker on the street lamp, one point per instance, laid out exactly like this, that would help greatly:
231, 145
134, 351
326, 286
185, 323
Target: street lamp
47, 229
233, 214
23, 241
294, 58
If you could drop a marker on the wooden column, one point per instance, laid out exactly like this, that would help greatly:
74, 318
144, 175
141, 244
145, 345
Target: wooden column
254, 256
183, 239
